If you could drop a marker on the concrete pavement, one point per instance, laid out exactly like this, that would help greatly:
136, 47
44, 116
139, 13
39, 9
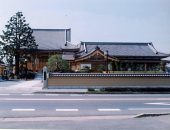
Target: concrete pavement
31, 86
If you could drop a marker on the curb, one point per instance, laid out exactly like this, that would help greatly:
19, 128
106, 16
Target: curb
39, 92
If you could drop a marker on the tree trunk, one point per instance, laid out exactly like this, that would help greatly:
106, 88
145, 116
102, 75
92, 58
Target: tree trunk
17, 57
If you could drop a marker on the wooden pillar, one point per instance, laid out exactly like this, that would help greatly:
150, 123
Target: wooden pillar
145, 66
36, 63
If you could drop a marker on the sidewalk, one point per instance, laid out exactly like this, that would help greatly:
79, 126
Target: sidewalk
31, 86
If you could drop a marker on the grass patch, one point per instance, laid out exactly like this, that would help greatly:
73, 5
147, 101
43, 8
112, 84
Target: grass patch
151, 115
135, 89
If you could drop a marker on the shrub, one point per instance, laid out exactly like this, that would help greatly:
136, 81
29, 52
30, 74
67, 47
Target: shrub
102, 89
91, 89
129, 89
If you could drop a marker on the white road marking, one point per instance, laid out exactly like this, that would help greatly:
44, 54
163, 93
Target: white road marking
96, 95
75, 95
66, 110
136, 109
27, 94
109, 110
4, 94
158, 103
37, 99
51, 94
23, 110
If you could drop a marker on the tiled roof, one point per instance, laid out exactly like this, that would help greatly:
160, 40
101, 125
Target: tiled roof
122, 49
53, 39
68, 45
68, 56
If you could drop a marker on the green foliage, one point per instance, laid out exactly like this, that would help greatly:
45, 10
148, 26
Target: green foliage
101, 68
139, 67
121, 66
102, 89
112, 66
162, 65
86, 69
117, 66
135, 89
156, 67
56, 63
133, 67
83, 71
127, 64
17, 41
91, 89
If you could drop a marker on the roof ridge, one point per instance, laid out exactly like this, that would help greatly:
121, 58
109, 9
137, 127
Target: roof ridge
47, 29
117, 43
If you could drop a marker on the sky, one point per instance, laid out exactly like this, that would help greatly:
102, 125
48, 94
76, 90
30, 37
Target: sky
97, 20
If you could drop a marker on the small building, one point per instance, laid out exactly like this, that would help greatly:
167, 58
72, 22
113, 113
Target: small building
119, 56
50, 42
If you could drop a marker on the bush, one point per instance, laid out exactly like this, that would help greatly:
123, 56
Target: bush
11, 75
102, 89
30, 75
129, 89
91, 89
83, 71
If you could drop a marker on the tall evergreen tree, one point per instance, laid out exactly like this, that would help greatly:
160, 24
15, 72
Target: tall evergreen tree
17, 41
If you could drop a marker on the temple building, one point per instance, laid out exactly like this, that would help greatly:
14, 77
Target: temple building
114, 56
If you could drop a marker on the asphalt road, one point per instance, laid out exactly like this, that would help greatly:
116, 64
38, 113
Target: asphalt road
52, 105
63, 110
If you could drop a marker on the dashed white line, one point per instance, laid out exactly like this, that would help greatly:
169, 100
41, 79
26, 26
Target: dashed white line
136, 109
23, 110
4, 94
66, 110
109, 110
51, 94
158, 103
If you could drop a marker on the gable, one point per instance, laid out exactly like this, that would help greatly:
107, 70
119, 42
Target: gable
96, 54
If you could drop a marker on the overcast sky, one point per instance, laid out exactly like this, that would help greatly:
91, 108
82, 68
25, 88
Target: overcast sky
97, 20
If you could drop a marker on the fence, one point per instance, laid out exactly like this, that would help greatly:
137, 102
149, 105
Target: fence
85, 80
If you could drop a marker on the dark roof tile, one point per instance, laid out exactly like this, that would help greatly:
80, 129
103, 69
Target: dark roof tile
123, 49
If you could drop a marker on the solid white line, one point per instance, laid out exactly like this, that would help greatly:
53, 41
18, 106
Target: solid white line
4, 94
23, 110
66, 110
51, 94
75, 95
100, 95
134, 109
27, 94
36, 99
109, 110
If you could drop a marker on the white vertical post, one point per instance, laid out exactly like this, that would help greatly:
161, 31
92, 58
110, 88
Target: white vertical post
44, 77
